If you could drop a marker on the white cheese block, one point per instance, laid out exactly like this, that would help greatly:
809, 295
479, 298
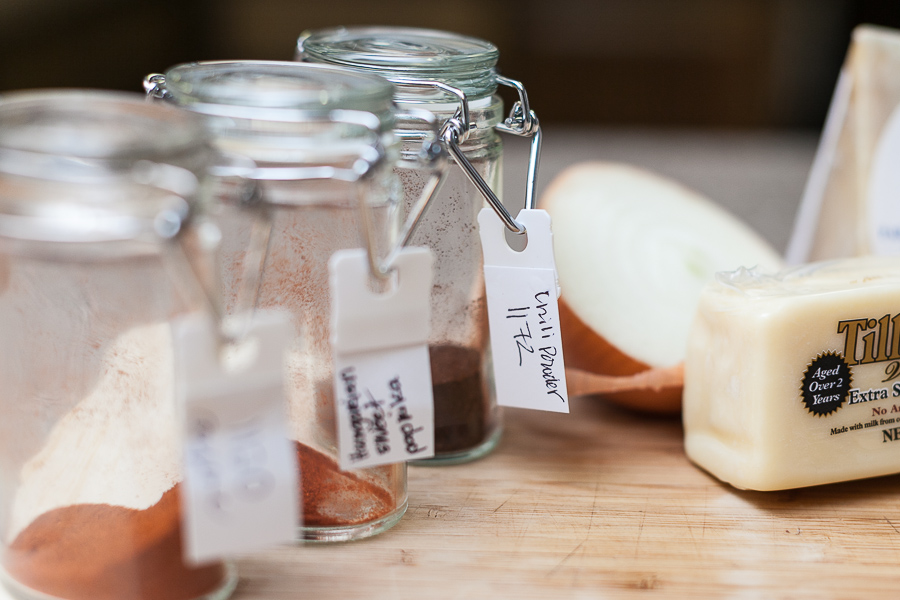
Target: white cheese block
793, 380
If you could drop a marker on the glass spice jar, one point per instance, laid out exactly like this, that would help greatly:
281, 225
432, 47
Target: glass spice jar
316, 145
99, 197
454, 77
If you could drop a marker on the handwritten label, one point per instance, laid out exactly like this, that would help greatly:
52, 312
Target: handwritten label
382, 373
386, 423
522, 294
240, 490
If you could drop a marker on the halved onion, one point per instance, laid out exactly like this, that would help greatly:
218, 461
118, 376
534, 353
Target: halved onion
633, 251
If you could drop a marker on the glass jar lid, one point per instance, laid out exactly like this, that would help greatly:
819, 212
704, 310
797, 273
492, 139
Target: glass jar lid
282, 112
81, 125
96, 166
401, 53
238, 87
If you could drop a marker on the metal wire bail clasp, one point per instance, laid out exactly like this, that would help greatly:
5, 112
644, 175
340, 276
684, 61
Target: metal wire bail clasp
521, 122
432, 157
200, 247
524, 123
155, 87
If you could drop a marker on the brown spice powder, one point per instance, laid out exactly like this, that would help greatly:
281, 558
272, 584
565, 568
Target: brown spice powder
460, 401
104, 552
334, 498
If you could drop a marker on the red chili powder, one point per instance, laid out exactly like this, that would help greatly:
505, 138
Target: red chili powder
104, 552
332, 498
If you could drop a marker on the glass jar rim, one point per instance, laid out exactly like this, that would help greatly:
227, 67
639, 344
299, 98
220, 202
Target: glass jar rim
237, 87
402, 53
70, 157
94, 124
283, 111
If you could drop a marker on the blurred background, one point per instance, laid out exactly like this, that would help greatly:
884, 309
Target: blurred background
726, 96
683, 63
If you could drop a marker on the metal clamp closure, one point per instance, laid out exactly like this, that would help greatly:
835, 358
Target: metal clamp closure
431, 157
522, 121
155, 87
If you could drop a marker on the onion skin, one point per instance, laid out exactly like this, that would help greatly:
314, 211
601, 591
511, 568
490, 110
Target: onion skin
594, 364
584, 349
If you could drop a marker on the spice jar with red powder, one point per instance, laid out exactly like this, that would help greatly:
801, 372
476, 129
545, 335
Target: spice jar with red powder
454, 77
316, 144
97, 192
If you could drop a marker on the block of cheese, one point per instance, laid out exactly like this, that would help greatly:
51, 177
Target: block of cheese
793, 379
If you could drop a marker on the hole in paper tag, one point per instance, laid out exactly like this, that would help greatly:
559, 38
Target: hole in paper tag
516, 241
522, 292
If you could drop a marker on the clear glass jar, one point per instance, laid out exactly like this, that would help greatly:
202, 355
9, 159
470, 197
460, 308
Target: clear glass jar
454, 77
97, 189
313, 140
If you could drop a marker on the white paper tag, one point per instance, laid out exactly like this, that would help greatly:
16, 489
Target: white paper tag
523, 314
382, 373
240, 490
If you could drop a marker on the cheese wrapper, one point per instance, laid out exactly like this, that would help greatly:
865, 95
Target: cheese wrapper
850, 206
793, 380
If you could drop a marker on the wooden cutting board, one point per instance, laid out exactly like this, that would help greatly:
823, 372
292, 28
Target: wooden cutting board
596, 504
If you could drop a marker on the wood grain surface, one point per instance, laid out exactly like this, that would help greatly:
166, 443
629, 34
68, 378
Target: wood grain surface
601, 503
